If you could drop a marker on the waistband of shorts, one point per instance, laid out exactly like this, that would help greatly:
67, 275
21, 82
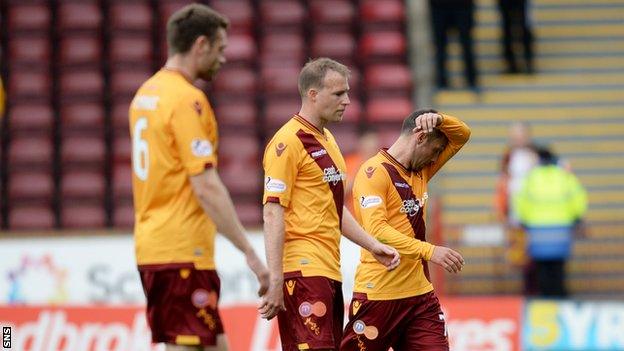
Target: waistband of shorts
165, 266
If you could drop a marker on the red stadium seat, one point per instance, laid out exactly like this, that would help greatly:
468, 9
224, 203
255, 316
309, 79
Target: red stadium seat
387, 43
80, 49
82, 216
131, 49
135, 15
122, 147
338, 45
280, 12
79, 15
280, 79
29, 49
332, 11
31, 218
353, 113
237, 112
249, 211
29, 83
122, 181
31, 185
31, 116
388, 109
168, 7
82, 115
346, 137
83, 150
82, 185
29, 17
395, 76
127, 82
76, 83
123, 216
239, 12
390, 11
278, 111
241, 47
235, 80
286, 43
238, 163
119, 114
30, 151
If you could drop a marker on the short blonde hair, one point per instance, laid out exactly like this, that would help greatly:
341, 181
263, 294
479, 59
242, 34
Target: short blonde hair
313, 73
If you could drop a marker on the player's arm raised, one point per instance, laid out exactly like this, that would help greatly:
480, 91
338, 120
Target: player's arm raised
215, 200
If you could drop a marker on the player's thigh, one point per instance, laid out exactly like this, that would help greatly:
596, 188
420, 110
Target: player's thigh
222, 344
426, 329
373, 324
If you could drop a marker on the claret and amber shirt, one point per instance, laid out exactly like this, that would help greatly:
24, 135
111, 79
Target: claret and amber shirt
389, 202
305, 173
174, 136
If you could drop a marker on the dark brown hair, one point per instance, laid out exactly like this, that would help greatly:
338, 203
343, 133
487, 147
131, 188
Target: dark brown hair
313, 73
190, 22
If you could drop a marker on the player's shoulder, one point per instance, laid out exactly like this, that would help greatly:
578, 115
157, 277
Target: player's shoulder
373, 169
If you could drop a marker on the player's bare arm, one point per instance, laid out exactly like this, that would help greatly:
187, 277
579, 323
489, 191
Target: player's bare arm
386, 255
273, 301
216, 202
449, 259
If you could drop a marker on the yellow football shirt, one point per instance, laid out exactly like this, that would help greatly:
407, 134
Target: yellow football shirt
174, 136
305, 173
389, 203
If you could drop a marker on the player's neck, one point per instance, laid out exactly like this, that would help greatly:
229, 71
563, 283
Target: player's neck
312, 118
182, 64
400, 151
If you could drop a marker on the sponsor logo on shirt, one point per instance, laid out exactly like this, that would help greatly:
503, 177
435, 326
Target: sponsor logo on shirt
370, 332
402, 185
274, 185
201, 147
332, 175
370, 201
319, 153
412, 206
279, 149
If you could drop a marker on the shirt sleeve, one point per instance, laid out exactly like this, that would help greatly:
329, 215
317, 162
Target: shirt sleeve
458, 134
281, 165
194, 131
370, 195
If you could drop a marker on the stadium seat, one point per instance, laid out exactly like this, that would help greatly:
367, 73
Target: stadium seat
126, 82
338, 45
81, 83
85, 115
122, 147
123, 216
168, 7
29, 83
289, 43
82, 185
346, 137
235, 81
282, 12
388, 109
388, 11
280, 79
135, 15
31, 185
34, 16
331, 11
80, 49
73, 15
30, 151
239, 12
119, 114
278, 111
82, 216
238, 112
83, 150
31, 218
393, 76
241, 47
29, 49
31, 116
122, 181
383, 44
238, 163
131, 49
249, 211
353, 112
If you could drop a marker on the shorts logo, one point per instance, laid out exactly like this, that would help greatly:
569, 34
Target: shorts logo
201, 298
370, 332
279, 149
185, 273
356, 307
307, 309
201, 147
370, 201
290, 286
369, 171
274, 185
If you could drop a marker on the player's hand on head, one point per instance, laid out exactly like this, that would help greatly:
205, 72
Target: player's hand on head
449, 259
428, 121
386, 255
260, 270
272, 302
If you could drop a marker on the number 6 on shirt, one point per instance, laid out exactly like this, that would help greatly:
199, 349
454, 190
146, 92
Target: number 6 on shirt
140, 150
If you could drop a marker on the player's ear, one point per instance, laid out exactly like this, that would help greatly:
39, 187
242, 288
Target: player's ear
421, 137
312, 93
202, 43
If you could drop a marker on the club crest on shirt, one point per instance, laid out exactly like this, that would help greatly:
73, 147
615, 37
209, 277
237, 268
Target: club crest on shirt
369, 171
197, 107
279, 149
